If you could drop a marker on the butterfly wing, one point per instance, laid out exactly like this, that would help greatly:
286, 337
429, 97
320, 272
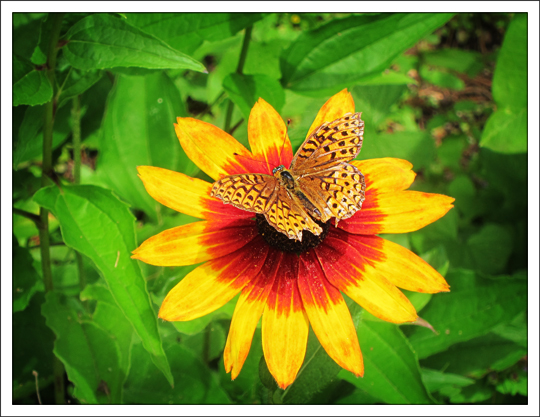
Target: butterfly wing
251, 192
330, 144
287, 216
338, 192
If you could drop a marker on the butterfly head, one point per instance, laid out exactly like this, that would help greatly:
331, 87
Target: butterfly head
278, 169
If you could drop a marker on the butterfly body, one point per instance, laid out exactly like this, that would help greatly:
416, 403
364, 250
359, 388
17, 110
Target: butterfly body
320, 183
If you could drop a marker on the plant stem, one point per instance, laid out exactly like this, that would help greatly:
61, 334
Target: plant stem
76, 122
46, 172
34, 217
239, 69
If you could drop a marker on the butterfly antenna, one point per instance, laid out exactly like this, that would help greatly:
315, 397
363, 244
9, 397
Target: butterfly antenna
249, 159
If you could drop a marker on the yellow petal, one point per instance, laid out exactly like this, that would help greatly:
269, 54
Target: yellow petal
214, 151
211, 285
399, 265
333, 109
268, 138
285, 327
247, 313
329, 315
196, 242
185, 194
349, 268
386, 174
397, 212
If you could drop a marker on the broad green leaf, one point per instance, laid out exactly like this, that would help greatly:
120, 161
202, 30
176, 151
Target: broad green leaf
506, 129
26, 280
77, 83
472, 308
463, 190
391, 368
441, 78
30, 84
468, 62
374, 101
245, 90
477, 356
490, 248
516, 383
39, 56
30, 141
338, 54
387, 78
416, 147
109, 316
472, 394
186, 31
138, 130
97, 224
89, 354
102, 41
195, 383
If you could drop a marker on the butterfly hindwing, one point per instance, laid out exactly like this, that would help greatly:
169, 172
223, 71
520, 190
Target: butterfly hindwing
251, 192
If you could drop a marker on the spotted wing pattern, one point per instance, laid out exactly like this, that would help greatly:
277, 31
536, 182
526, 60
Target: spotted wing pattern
337, 192
287, 216
251, 192
330, 144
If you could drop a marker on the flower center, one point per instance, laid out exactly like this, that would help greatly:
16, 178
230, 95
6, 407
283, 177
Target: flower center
281, 242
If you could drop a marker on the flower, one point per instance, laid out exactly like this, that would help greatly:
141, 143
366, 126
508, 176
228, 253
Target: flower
290, 288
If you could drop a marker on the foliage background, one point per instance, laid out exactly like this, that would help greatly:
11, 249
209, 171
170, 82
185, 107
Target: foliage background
446, 92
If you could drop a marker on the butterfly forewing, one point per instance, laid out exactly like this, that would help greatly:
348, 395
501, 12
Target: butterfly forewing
330, 144
251, 192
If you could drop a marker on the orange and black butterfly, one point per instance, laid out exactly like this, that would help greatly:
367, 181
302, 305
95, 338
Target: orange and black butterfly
320, 183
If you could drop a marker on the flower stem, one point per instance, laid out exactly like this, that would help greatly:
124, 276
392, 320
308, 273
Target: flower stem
76, 122
46, 172
34, 217
239, 69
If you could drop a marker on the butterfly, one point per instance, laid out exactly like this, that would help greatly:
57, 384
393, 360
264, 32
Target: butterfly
319, 184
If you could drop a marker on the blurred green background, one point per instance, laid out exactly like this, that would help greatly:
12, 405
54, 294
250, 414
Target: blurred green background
448, 92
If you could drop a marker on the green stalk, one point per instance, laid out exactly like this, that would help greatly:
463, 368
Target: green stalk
239, 69
44, 242
76, 119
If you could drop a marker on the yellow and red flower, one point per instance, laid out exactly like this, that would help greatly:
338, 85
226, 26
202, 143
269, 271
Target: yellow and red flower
291, 291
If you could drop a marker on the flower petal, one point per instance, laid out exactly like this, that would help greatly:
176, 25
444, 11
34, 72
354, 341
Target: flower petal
185, 194
333, 109
211, 285
285, 326
196, 242
247, 313
268, 137
398, 265
383, 175
397, 212
214, 151
329, 316
349, 268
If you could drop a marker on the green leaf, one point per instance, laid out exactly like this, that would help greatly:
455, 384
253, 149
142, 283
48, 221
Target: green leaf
30, 85
185, 32
138, 130
245, 90
506, 129
340, 53
391, 370
39, 56
468, 62
437, 380
441, 78
515, 384
374, 102
472, 308
77, 83
477, 356
102, 41
490, 248
97, 224
89, 354
416, 147
195, 383
26, 280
